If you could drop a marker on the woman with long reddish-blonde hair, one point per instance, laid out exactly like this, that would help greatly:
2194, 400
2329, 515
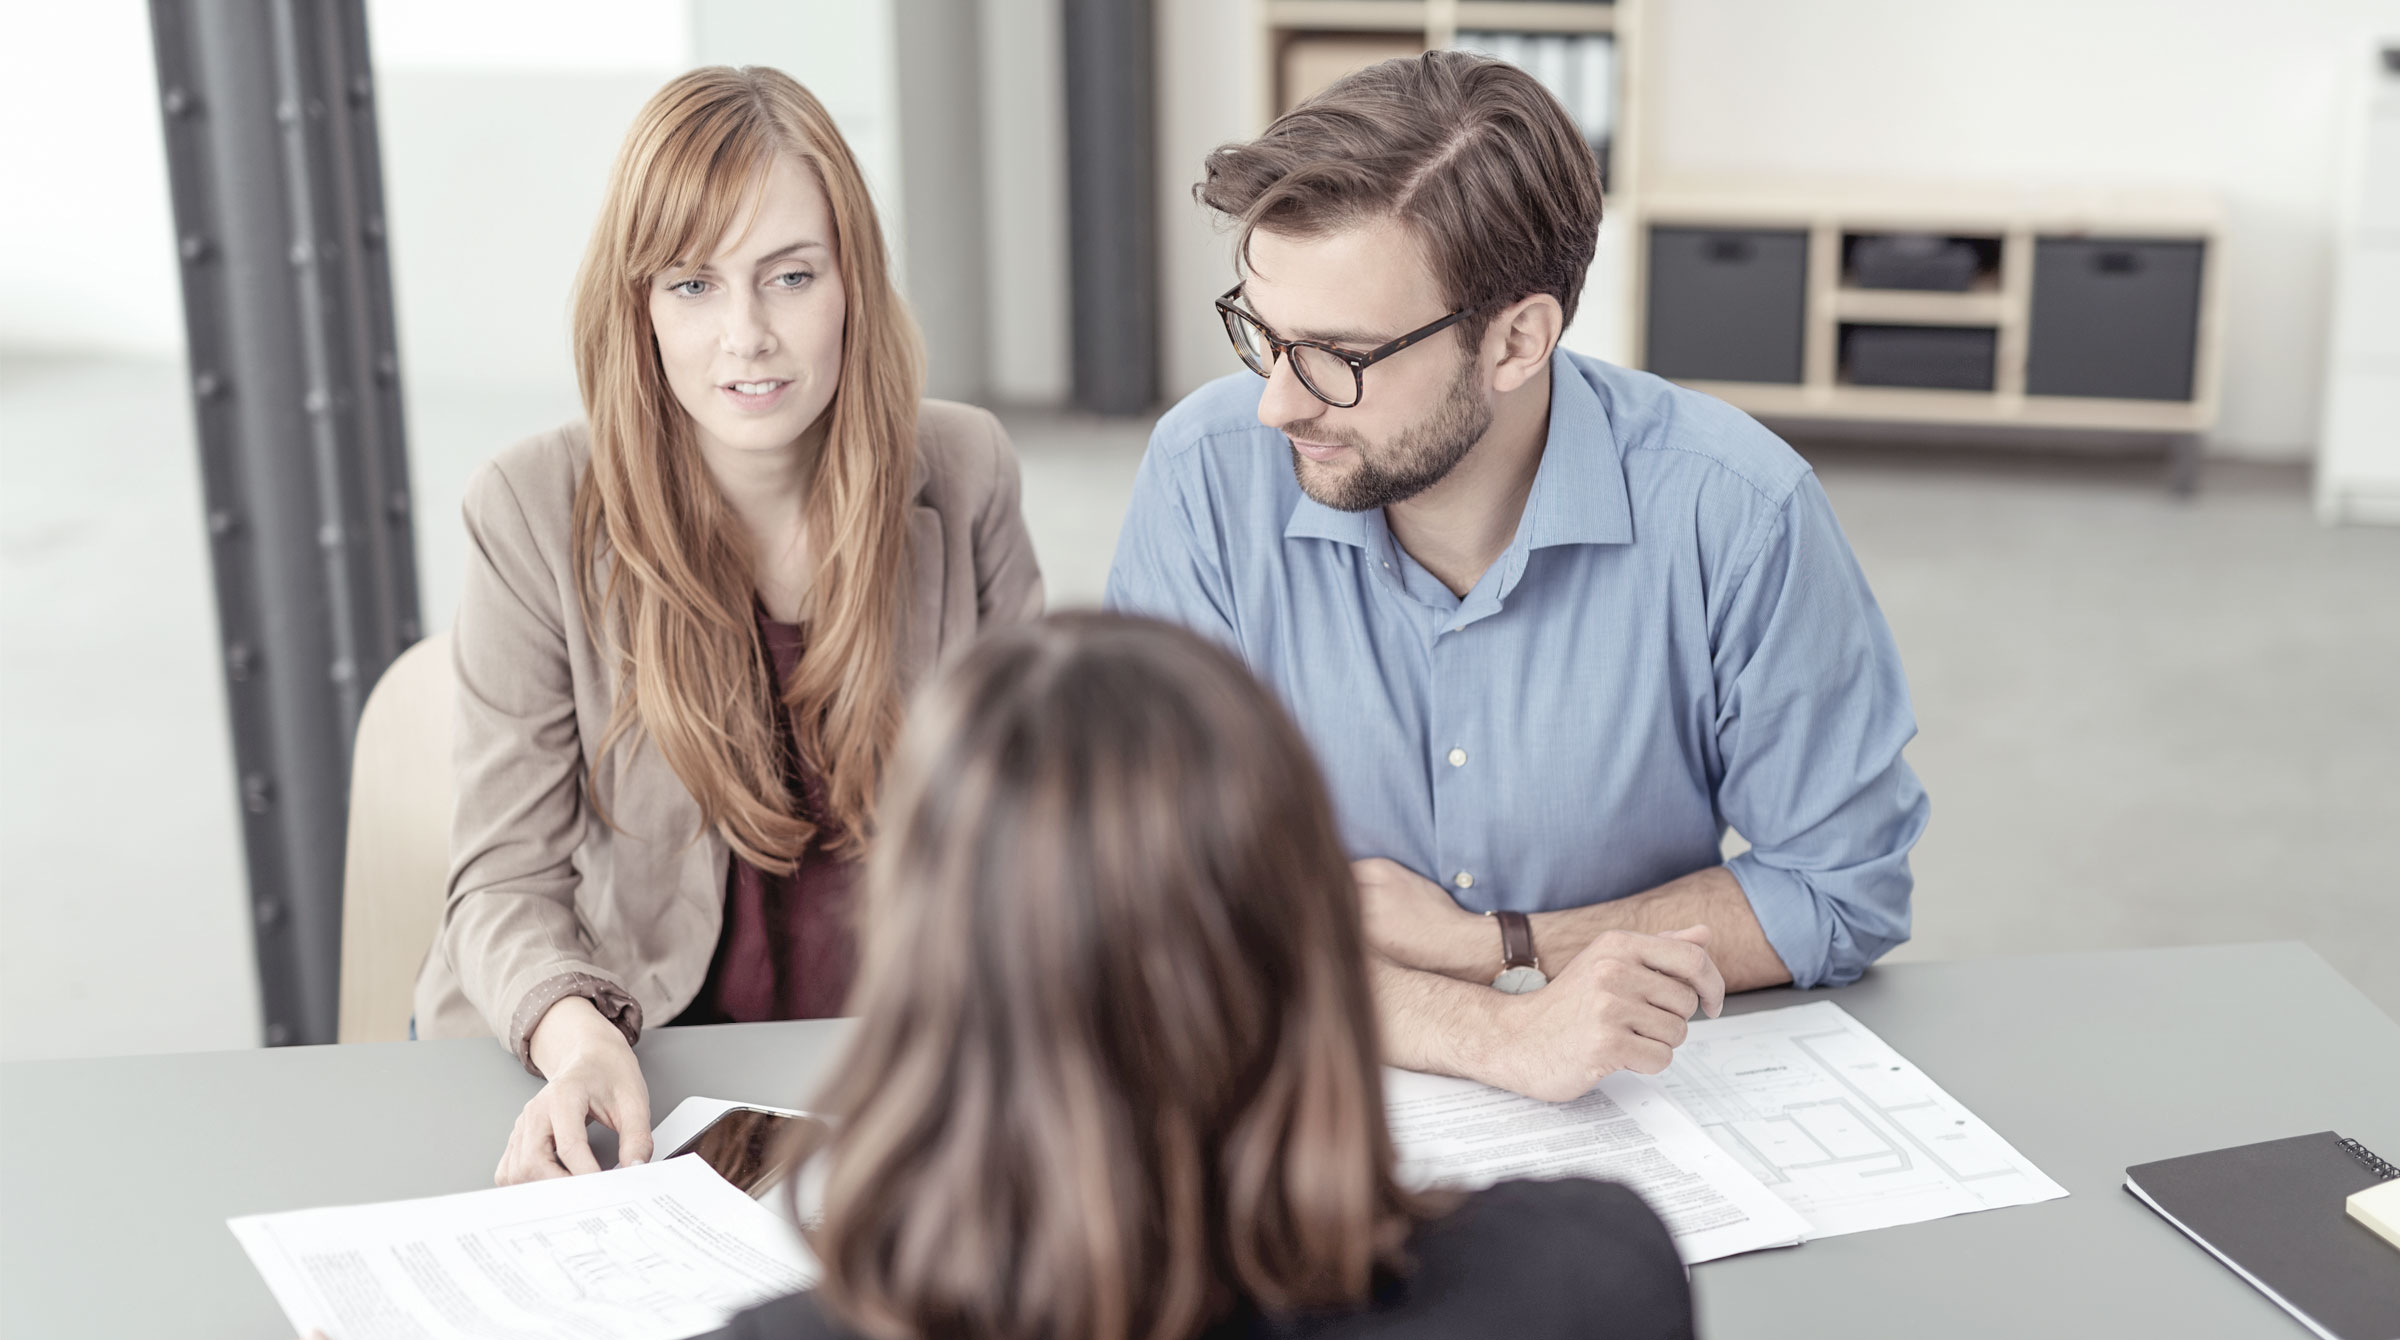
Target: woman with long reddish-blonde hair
688, 621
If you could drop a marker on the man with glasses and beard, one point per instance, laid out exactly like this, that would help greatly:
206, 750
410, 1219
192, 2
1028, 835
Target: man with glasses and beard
1551, 625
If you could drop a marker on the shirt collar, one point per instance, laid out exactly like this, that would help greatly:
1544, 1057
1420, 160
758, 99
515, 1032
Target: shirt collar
1313, 520
1578, 494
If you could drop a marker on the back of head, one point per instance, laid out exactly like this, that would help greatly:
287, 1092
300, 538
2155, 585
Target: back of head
1117, 1070
1473, 155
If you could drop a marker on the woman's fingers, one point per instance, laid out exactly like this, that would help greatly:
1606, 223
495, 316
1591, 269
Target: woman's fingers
546, 1138
570, 1137
529, 1157
629, 1117
620, 1098
552, 1135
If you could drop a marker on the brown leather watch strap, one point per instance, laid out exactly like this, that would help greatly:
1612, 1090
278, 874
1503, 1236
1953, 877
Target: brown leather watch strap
1516, 941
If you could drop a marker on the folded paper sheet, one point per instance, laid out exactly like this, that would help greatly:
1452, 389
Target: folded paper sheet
653, 1252
1455, 1132
1770, 1128
1844, 1129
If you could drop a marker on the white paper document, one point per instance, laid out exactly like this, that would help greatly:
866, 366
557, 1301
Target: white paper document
653, 1252
1839, 1125
1455, 1132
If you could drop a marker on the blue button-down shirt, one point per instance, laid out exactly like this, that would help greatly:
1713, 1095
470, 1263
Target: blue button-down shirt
1677, 640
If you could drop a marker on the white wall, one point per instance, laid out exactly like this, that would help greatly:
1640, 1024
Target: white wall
1209, 92
2238, 98
938, 72
492, 178
1025, 201
87, 239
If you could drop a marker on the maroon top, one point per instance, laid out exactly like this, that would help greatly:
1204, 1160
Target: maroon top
786, 951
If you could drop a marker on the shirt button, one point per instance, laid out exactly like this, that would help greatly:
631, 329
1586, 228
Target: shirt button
1458, 758
1464, 880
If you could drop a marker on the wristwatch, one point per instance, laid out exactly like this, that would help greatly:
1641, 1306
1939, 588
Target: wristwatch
1520, 969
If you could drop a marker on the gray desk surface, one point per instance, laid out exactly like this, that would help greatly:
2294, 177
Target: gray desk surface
116, 1175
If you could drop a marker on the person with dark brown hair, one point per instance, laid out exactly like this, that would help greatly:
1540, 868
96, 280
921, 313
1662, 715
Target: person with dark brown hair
1552, 625
1117, 1074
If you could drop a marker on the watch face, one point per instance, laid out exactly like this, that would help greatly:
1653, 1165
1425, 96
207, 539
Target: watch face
1518, 981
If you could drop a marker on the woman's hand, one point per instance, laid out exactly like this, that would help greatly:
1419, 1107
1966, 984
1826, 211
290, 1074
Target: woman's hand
592, 1075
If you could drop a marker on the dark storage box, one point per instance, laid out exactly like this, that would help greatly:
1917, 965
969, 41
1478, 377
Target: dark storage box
1915, 261
1942, 358
1725, 304
2113, 318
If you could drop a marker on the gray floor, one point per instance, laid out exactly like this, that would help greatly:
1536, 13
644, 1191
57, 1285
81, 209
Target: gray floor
2144, 721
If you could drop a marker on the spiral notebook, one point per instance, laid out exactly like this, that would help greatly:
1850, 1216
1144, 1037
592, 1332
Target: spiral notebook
2273, 1212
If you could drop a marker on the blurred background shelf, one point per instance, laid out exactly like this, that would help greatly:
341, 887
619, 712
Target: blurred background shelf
1955, 309
2091, 310
1347, 15
1536, 17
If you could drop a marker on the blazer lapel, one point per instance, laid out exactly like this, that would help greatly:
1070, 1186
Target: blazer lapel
921, 621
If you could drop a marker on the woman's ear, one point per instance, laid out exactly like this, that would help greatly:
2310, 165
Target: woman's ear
1524, 333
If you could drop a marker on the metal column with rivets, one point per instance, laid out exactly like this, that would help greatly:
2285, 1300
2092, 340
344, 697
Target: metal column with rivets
1112, 215
269, 110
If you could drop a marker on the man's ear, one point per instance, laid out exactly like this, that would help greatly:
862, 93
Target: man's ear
1521, 337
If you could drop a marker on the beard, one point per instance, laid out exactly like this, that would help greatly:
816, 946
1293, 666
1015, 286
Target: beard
1421, 456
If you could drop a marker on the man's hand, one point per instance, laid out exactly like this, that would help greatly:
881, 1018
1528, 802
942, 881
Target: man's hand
1412, 921
1622, 1004
592, 1075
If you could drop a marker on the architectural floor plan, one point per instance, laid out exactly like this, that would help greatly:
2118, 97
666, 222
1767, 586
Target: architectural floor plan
1841, 1126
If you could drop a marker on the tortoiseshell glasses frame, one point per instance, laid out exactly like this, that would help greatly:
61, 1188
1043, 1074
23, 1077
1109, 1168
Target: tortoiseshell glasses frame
1260, 347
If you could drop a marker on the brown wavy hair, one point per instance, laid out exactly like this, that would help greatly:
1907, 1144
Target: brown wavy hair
676, 602
1117, 1075
1473, 155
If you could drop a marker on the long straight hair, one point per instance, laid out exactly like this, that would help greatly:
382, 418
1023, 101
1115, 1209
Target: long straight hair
677, 604
1117, 1075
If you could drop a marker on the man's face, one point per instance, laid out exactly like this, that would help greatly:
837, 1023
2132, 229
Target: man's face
1421, 409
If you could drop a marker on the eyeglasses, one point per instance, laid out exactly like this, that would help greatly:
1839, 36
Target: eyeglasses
1326, 371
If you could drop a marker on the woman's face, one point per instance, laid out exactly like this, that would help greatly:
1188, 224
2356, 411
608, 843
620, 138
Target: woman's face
752, 340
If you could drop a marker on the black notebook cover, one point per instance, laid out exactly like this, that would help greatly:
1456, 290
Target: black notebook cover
2274, 1213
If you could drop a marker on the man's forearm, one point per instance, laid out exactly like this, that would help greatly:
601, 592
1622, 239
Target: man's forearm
1711, 898
1621, 1004
1431, 1022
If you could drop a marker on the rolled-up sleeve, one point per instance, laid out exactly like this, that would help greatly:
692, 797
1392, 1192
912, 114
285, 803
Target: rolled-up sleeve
1812, 714
1170, 562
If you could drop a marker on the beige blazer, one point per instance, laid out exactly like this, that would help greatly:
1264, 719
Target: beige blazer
542, 892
